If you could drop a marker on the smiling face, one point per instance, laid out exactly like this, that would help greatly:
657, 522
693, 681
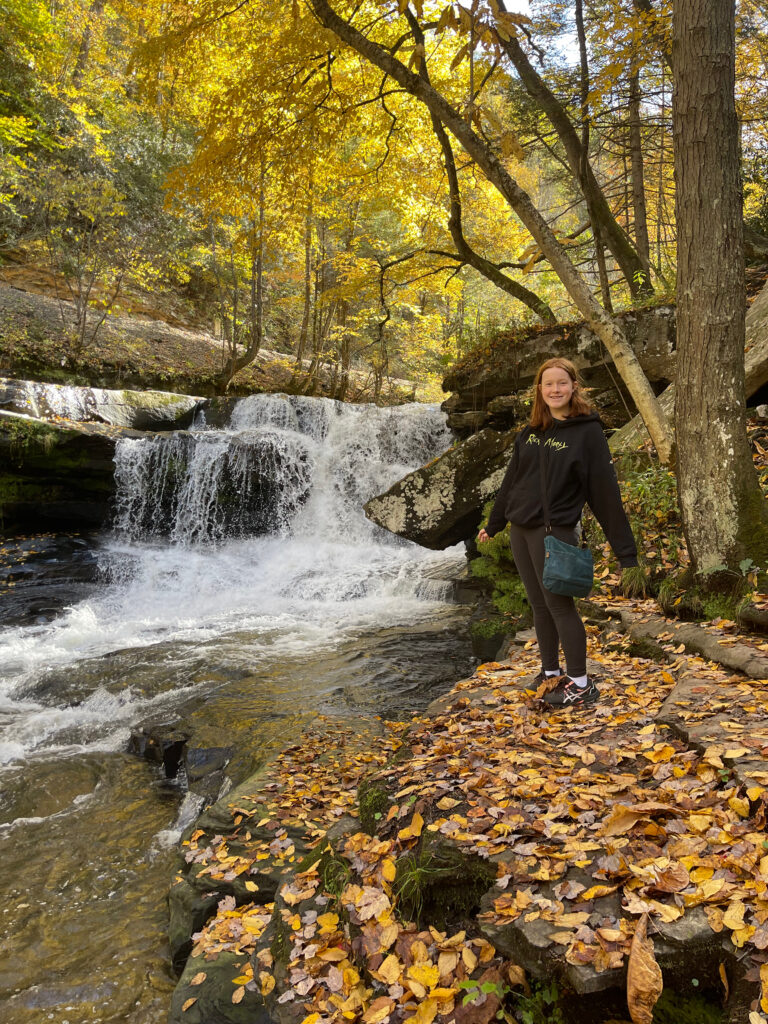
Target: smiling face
557, 389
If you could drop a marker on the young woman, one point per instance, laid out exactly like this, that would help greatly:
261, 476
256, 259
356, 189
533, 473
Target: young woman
578, 469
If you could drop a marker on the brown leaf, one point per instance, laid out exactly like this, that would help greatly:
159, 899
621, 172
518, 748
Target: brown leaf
644, 981
623, 818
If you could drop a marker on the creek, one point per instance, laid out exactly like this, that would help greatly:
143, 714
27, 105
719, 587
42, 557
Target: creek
239, 593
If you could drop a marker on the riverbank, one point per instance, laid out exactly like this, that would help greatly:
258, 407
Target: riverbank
142, 351
503, 857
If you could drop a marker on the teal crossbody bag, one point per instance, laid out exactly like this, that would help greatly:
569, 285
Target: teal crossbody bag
568, 569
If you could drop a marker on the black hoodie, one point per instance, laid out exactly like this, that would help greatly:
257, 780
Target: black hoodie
579, 470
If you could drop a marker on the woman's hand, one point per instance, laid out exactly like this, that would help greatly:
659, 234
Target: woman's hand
482, 537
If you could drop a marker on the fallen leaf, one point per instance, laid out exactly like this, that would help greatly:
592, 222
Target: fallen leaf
644, 981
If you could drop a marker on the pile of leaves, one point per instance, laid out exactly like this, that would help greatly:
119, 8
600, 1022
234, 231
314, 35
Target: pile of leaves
600, 825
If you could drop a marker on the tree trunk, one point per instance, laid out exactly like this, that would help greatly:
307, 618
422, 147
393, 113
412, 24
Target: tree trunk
724, 514
610, 334
638, 184
601, 216
236, 362
304, 332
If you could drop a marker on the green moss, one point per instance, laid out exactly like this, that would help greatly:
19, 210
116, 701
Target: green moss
490, 627
373, 802
673, 1008
496, 565
439, 884
280, 946
25, 436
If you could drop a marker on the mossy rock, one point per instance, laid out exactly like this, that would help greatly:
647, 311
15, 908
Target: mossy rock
375, 793
213, 998
439, 884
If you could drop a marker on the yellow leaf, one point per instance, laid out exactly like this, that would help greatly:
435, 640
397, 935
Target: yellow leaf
446, 962
426, 975
313, 1018
755, 792
237, 995
188, 1003
447, 803
251, 887
733, 917
469, 958
242, 979
388, 869
332, 955
267, 982
388, 935
426, 1012
663, 753
742, 935
735, 752
328, 923
199, 978
740, 805
644, 981
596, 891
378, 1010
390, 969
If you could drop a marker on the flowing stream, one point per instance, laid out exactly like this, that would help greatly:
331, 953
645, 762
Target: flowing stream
240, 592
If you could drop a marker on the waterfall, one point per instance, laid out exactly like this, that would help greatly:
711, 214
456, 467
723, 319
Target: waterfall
237, 546
285, 465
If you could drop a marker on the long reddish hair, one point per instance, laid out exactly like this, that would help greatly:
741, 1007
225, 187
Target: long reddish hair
541, 417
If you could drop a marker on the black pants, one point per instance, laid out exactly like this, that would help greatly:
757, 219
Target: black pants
555, 618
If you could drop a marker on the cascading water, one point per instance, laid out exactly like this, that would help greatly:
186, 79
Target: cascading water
242, 590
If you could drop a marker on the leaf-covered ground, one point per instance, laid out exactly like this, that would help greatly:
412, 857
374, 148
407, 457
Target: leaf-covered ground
648, 807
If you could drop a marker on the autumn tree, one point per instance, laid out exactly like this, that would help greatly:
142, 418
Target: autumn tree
724, 513
497, 28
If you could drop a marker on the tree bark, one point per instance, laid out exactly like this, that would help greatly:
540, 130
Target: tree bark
611, 335
725, 518
304, 331
236, 362
636, 163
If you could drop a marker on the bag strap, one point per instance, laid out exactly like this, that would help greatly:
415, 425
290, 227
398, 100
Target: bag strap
543, 483
543, 466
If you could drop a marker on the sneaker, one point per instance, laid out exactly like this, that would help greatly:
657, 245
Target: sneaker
568, 694
539, 679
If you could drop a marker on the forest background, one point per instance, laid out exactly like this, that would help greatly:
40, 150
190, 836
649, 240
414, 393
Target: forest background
386, 185
252, 178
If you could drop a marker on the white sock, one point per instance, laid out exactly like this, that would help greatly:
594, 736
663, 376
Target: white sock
556, 672
580, 680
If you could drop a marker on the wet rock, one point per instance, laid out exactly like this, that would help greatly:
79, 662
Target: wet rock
213, 997
55, 477
163, 744
442, 503
140, 410
203, 761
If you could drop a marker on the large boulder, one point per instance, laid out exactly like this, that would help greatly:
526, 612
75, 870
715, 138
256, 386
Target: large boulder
55, 476
489, 386
139, 410
442, 503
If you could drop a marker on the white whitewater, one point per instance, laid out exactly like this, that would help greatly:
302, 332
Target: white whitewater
251, 536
